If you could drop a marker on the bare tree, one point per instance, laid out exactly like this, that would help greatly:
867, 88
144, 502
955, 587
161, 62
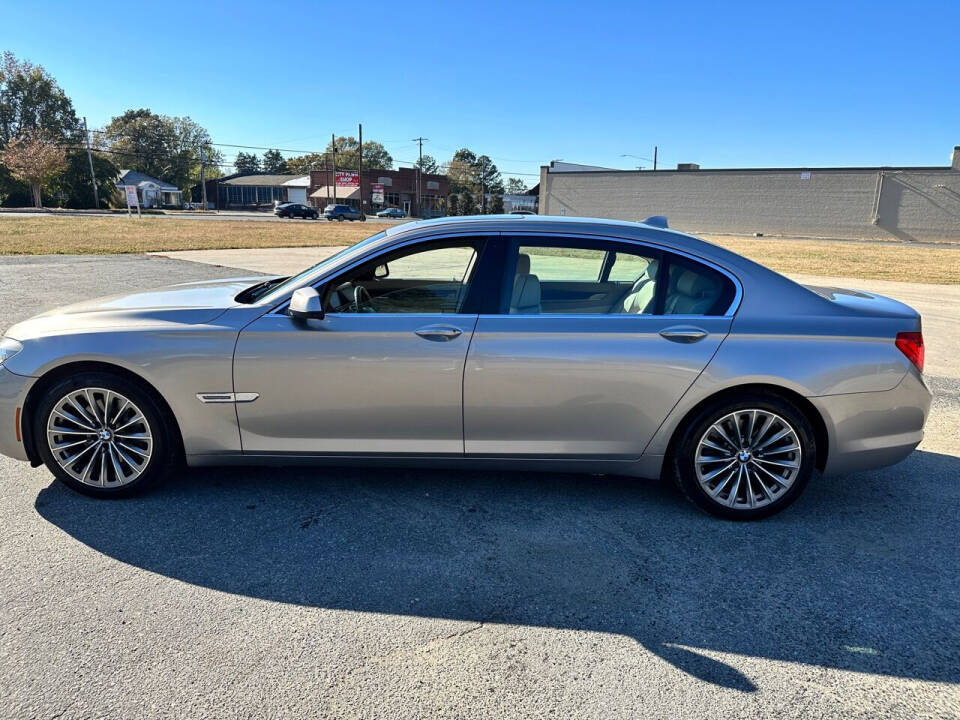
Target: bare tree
35, 160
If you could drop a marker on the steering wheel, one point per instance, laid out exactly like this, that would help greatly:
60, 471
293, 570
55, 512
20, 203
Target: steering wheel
362, 301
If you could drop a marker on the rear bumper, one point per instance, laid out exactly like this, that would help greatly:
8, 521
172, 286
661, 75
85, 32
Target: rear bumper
13, 392
874, 429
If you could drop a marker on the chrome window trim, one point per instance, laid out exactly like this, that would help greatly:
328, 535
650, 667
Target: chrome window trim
731, 309
279, 309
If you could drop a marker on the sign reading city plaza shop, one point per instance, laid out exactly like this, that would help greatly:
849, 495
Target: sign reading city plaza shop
376, 193
348, 178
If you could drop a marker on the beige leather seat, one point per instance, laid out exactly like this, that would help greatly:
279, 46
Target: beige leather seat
525, 299
693, 294
640, 298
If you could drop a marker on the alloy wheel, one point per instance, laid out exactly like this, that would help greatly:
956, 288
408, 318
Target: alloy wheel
99, 437
748, 459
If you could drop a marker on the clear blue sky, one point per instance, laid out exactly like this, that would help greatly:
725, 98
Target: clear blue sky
723, 84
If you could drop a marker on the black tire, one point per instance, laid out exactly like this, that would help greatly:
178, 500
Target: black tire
683, 463
166, 452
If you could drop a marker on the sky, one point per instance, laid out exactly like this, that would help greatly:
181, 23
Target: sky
723, 84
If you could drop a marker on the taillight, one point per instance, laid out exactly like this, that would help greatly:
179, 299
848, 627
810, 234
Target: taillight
911, 345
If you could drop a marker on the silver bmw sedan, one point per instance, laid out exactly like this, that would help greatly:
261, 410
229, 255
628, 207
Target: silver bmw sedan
521, 342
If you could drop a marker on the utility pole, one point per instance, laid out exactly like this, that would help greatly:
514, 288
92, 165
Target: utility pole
360, 166
420, 140
654, 157
333, 144
203, 181
93, 177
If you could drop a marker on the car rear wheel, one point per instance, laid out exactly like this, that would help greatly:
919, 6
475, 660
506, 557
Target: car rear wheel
745, 458
103, 435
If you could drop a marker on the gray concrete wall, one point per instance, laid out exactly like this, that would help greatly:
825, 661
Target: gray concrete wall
858, 203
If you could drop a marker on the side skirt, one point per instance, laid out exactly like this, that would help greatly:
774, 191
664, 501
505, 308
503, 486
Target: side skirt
645, 467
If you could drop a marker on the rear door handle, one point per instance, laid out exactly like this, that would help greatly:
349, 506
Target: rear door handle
684, 333
439, 333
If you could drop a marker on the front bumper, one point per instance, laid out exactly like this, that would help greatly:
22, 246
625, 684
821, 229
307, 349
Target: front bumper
874, 429
13, 392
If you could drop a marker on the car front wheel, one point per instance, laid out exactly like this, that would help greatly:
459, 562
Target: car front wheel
745, 458
103, 435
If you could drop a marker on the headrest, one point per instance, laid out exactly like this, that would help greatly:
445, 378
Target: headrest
529, 292
650, 273
523, 264
694, 284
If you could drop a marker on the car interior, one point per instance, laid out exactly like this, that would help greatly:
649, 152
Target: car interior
547, 281
620, 283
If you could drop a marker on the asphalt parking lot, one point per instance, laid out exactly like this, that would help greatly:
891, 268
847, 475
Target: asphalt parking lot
407, 594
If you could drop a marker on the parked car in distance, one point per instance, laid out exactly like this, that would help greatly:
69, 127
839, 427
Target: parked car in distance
522, 212
342, 212
295, 210
392, 212
511, 342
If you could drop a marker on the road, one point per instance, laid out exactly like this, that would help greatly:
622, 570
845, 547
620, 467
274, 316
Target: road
340, 593
178, 215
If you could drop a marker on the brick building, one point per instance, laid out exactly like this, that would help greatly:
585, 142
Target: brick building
399, 191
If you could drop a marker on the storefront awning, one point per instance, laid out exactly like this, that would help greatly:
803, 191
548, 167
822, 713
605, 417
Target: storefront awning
343, 193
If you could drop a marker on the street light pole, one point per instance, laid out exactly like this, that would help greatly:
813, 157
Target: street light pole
333, 144
360, 166
93, 177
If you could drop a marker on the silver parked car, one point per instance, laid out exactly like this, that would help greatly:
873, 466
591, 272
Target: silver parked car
543, 343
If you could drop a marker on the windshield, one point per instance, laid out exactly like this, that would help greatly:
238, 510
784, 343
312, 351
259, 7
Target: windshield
292, 283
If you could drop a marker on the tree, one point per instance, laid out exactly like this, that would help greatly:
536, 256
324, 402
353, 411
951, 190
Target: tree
168, 148
34, 159
428, 165
496, 204
75, 183
273, 162
247, 162
488, 175
303, 164
453, 205
375, 155
31, 101
516, 186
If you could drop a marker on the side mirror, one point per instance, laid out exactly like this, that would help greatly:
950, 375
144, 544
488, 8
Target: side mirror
305, 304
381, 271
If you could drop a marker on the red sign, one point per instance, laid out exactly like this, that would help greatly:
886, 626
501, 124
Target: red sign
348, 178
376, 193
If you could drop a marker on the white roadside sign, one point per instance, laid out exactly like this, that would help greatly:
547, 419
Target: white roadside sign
132, 200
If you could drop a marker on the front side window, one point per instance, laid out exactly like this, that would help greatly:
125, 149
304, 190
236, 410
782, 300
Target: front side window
429, 280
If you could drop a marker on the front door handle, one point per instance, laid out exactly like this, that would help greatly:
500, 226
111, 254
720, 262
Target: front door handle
439, 333
684, 333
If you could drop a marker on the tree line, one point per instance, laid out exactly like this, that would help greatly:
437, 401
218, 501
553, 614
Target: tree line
43, 153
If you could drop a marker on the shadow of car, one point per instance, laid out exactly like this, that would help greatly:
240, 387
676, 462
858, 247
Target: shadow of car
861, 575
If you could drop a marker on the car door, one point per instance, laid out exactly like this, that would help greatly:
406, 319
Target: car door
590, 351
381, 372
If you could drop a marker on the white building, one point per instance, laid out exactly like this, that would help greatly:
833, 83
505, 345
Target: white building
150, 191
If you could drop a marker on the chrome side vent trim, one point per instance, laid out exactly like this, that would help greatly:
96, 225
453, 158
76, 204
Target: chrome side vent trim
242, 397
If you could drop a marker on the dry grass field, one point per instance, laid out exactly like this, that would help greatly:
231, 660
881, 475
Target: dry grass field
103, 235
867, 260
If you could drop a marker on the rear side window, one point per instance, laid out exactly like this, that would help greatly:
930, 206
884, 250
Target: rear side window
695, 289
589, 276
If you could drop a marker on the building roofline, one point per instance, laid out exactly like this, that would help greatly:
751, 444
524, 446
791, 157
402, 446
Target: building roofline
878, 168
